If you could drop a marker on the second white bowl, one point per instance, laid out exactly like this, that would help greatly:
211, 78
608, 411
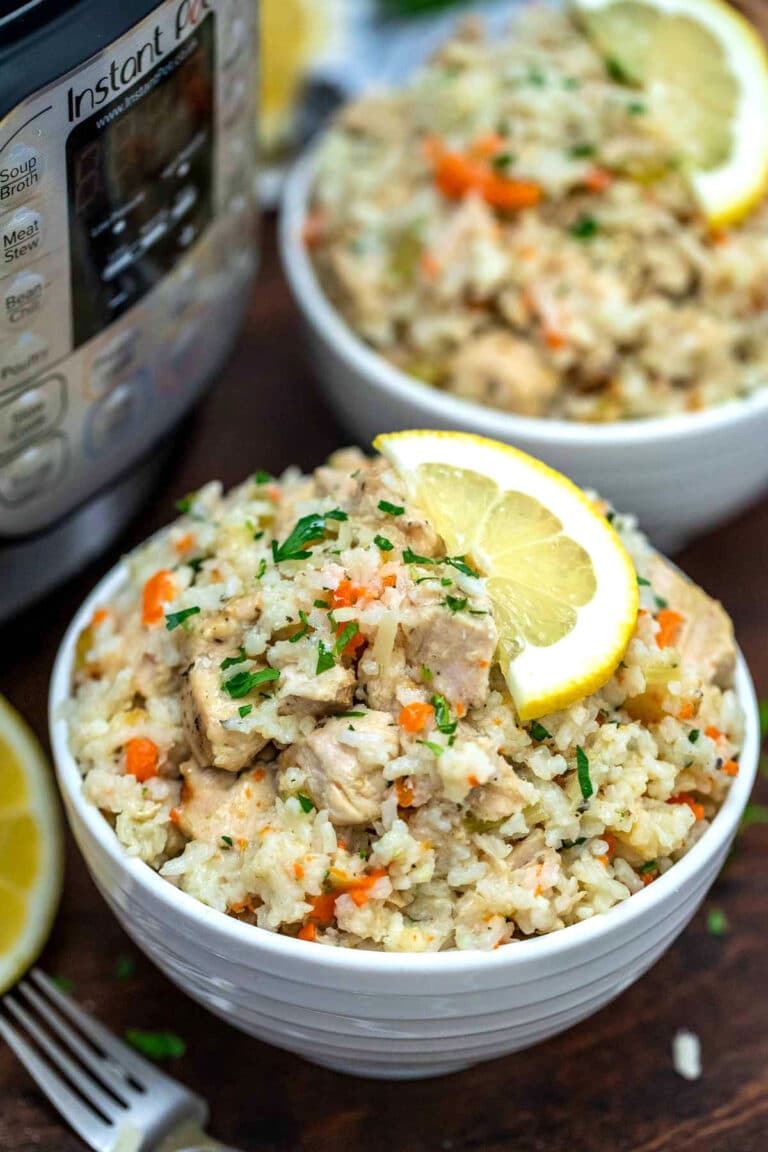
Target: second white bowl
679, 474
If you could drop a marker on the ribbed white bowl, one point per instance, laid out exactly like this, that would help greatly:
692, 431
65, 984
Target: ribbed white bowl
679, 474
377, 1014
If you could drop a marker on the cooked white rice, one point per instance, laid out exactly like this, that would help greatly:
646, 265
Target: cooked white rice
608, 299
320, 801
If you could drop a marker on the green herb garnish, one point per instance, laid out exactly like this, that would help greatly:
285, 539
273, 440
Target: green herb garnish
636, 108
325, 659
649, 866
196, 563
694, 734
242, 683
306, 804
426, 673
348, 633
244, 710
661, 602
538, 731
460, 564
643, 582
383, 544
309, 530
584, 228
262, 568
502, 161
411, 557
228, 841
262, 477
443, 721
156, 1045
435, 749
581, 151
232, 660
303, 630
390, 509
455, 603
174, 619
717, 922
184, 505
582, 767
616, 70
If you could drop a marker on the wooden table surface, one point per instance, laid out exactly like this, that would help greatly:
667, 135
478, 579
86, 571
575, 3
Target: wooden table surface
606, 1086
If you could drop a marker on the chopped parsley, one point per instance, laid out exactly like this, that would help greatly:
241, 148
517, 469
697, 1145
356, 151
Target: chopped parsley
308, 530
574, 843
536, 78
348, 633
582, 768
336, 514
156, 1045
320, 603
196, 563
262, 568
390, 509
643, 582
174, 619
581, 151
303, 630
244, 710
411, 557
383, 544
258, 535
228, 841
242, 683
426, 673
455, 603
125, 966
539, 732
232, 660
694, 734
435, 749
262, 477
443, 721
571, 83
306, 804
661, 602
636, 108
325, 659
717, 922
502, 161
649, 866
584, 228
616, 70
460, 564
348, 715
184, 505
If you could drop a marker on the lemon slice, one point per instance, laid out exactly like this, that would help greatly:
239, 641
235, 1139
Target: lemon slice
30, 847
563, 588
291, 33
705, 69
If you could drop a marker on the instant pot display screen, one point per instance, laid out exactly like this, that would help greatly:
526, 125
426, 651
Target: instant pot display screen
139, 178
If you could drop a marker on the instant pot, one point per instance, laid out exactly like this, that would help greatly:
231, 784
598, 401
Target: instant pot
127, 239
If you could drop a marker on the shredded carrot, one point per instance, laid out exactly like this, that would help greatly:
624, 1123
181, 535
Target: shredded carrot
324, 908
174, 815
648, 878
460, 709
489, 144
685, 798
731, 768
99, 616
687, 712
404, 791
669, 626
258, 774
610, 840
414, 716
603, 860
242, 843
185, 542
390, 580
341, 843
456, 175
598, 180
554, 339
429, 265
714, 733
158, 590
473, 781
141, 756
308, 931
298, 870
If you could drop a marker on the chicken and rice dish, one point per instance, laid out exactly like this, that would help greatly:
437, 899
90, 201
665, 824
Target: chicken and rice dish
514, 227
293, 711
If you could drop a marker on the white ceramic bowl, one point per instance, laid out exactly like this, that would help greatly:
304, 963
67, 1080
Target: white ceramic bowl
379, 1014
679, 474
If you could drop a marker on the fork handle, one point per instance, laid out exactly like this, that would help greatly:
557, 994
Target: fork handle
191, 1138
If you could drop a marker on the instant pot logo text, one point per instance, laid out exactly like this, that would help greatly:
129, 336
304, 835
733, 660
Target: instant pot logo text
125, 71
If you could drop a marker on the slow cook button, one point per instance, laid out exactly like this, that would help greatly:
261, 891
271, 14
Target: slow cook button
33, 471
21, 239
21, 169
21, 358
116, 416
31, 413
21, 299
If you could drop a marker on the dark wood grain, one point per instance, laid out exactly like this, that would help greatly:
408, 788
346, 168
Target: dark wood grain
607, 1086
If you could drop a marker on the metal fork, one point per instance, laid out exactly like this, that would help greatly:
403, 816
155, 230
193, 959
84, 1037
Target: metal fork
112, 1097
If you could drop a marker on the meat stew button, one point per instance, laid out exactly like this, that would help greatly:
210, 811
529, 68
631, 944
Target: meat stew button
21, 239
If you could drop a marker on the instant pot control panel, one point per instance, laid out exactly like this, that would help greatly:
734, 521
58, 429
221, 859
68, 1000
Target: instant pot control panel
126, 220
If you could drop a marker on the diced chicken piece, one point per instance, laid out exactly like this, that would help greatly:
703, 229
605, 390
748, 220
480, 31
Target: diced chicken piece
527, 850
502, 796
303, 695
205, 711
497, 368
227, 625
346, 777
216, 803
383, 686
456, 647
705, 639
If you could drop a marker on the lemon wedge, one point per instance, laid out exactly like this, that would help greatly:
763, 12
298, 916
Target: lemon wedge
563, 588
705, 70
31, 864
291, 32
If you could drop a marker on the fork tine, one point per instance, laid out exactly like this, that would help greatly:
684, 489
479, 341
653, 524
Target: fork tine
125, 1059
86, 1123
103, 1067
88, 1087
